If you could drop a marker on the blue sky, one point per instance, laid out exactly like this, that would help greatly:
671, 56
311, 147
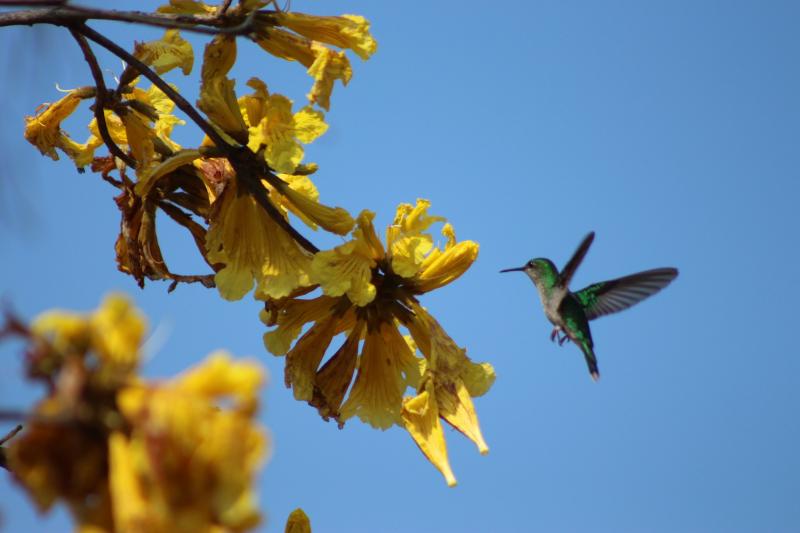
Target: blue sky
669, 128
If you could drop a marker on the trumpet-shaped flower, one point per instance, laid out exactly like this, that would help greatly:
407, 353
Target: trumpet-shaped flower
44, 130
253, 249
217, 96
367, 299
323, 64
346, 31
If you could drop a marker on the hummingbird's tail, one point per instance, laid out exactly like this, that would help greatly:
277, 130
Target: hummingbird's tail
591, 360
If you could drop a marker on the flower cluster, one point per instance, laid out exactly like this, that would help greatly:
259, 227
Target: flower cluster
369, 293
238, 192
128, 454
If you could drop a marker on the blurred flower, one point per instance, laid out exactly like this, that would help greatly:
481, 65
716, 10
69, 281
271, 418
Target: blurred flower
188, 464
128, 455
369, 292
298, 522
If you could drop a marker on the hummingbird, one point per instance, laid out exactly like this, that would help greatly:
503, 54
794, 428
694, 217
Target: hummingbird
570, 312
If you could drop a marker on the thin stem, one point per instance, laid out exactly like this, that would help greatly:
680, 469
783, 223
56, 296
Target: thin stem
65, 15
171, 93
100, 99
11, 434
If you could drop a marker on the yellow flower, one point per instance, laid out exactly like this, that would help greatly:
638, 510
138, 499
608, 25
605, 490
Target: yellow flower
280, 132
347, 31
108, 339
128, 455
253, 248
161, 103
217, 96
347, 269
367, 299
323, 64
140, 136
328, 67
136, 131
298, 522
167, 53
44, 130
188, 464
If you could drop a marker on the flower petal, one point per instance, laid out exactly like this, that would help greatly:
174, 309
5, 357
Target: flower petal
377, 394
421, 419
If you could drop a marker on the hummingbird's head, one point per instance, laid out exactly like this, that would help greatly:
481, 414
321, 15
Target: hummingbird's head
540, 270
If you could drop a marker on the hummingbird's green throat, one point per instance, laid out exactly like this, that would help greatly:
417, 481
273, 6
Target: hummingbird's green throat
570, 312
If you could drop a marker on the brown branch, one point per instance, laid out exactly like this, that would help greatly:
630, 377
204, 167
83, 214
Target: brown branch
100, 100
66, 15
145, 71
11, 434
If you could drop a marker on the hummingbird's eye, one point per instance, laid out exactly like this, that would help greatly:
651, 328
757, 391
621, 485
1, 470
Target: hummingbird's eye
531, 263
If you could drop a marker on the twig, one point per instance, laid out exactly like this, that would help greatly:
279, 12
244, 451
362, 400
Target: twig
100, 99
10, 435
145, 71
66, 15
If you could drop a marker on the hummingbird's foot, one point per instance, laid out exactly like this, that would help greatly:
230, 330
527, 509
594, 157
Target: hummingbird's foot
556, 333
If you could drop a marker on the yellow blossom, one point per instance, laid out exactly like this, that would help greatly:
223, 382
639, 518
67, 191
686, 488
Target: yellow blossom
217, 96
368, 300
167, 53
44, 129
253, 248
302, 199
328, 67
188, 464
346, 31
347, 269
298, 522
323, 64
112, 336
125, 454
280, 132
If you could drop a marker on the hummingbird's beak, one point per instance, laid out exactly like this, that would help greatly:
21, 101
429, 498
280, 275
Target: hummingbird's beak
518, 269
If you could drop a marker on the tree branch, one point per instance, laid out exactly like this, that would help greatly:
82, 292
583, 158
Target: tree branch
65, 15
145, 71
100, 99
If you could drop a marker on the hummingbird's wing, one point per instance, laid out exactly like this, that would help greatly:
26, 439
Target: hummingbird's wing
577, 258
615, 295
